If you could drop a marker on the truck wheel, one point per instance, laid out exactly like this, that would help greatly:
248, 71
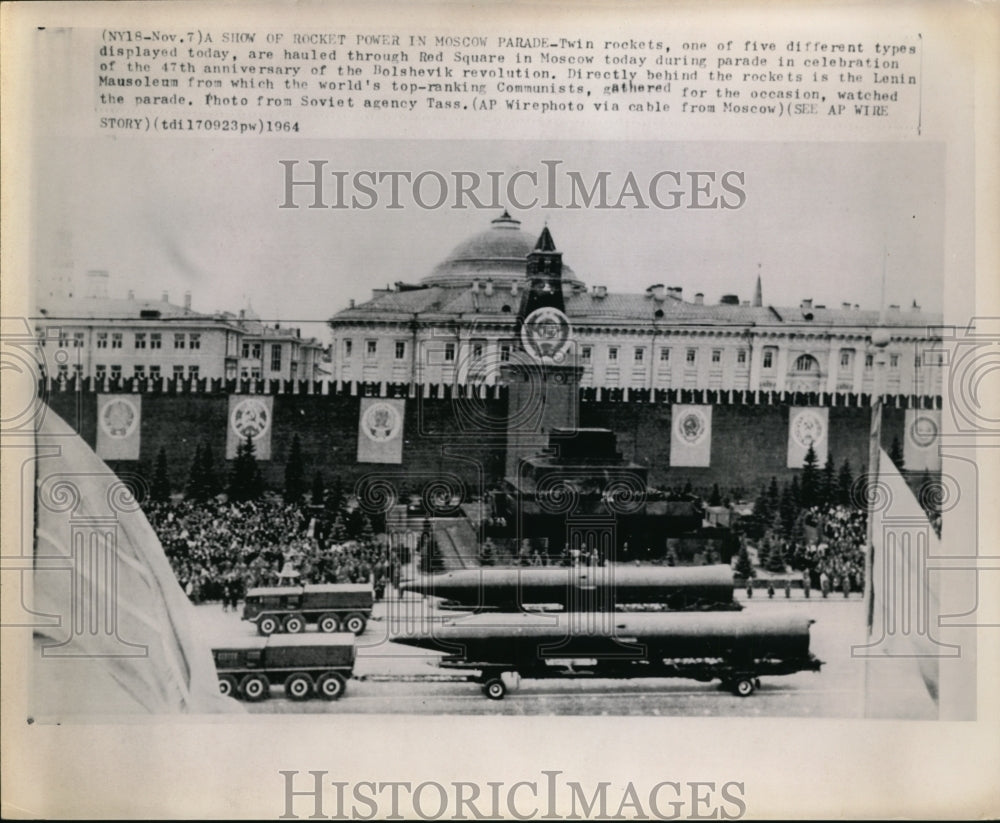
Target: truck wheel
227, 685
299, 686
267, 625
295, 623
494, 688
328, 623
355, 623
331, 686
254, 687
743, 687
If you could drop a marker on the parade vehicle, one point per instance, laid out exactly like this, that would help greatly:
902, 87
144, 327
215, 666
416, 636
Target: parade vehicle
583, 588
332, 607
736, 649
305, 665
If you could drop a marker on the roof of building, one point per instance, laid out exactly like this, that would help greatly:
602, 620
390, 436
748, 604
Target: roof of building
499, 253
115, 308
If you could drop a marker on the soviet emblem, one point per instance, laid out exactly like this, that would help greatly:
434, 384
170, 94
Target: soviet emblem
545, 334
807, 428
119, 417
381, 422
251, 418
692, 426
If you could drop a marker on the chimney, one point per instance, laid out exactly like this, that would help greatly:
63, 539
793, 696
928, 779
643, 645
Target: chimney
351, 303
729, 300
846, 304
893, 307
807, 303
676, 291
97, 285
600, 292
915, 306
243, 314
187, 299
165, 297
657, 292
489, 288
699, 299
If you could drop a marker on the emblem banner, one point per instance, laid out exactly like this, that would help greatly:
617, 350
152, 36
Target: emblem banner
250, 415
380, 430
691, 436
119, 426
922, 444
807, 426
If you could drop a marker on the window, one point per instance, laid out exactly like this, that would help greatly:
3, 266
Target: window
639, 354
587, 354
400, 349
691, 357
154, 372
477, 351
348, 348
255, 351
193, 372
716, 355
244, 374
178, 341
78, 340
505, 352
768, 361
139, 372
102, 340
140, 340
845, 358
255, 373
116, 372
116, 340
371, 348
741, 356
194, 341
449, 352
613, 354
78, 370
63, 371
664, 355
178, 372
805, 362
100, 371
893, 361
63, 339
246, 350
156, 340
869, 361
275, 357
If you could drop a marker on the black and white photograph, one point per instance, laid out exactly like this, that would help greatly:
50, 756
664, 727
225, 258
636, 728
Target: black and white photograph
520, 416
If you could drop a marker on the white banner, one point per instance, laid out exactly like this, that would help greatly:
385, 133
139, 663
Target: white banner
119, 426
380, 430
691, 436
251, 415
807, 426
922, 443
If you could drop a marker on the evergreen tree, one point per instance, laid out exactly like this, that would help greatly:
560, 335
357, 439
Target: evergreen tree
716, 497
809, 495
773, 493
796, 493
828, 484
335, 495
896, 454
160, 491
245, 481
763, 512
339, 532
789, 509
776, 560
367, 532
295, 478
318, 491
845, 481
209, 477
195, 485
744, 568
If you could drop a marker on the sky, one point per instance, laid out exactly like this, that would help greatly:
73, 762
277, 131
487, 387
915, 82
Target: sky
820, 220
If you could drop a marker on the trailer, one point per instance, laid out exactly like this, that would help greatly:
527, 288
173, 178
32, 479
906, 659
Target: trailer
305, 665
331, 607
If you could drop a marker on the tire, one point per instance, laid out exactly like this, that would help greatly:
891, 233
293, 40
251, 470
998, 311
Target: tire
494, 688
298, 686
227, 685
294, 624
268, 625
328, 623
355, 623
743, 686
331, 686
254, 687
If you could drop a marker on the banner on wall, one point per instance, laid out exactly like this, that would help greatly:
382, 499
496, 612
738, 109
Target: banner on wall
119, 426
691, 436
380, 430
922, 443
251, 415
807, 426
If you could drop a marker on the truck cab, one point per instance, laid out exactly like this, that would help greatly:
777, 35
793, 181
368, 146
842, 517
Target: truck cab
331, 607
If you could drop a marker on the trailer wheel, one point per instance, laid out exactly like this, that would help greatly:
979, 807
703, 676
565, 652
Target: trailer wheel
254, 687
267, 625
328, 623
299, 686
494, 688
743, 687
355, 623
295, 623
227, 685
331, 686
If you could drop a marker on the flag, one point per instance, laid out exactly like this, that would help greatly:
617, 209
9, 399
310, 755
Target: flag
125, 638
380, 430
119, 426
250, 415
922, 443
691, 436
807, 426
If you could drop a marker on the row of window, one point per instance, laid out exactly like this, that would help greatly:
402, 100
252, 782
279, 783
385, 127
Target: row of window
102, 371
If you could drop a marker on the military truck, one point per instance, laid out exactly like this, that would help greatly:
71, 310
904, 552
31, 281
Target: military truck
332, 607
305, 666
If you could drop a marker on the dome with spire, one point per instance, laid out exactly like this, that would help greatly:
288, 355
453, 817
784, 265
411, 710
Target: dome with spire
499, 253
